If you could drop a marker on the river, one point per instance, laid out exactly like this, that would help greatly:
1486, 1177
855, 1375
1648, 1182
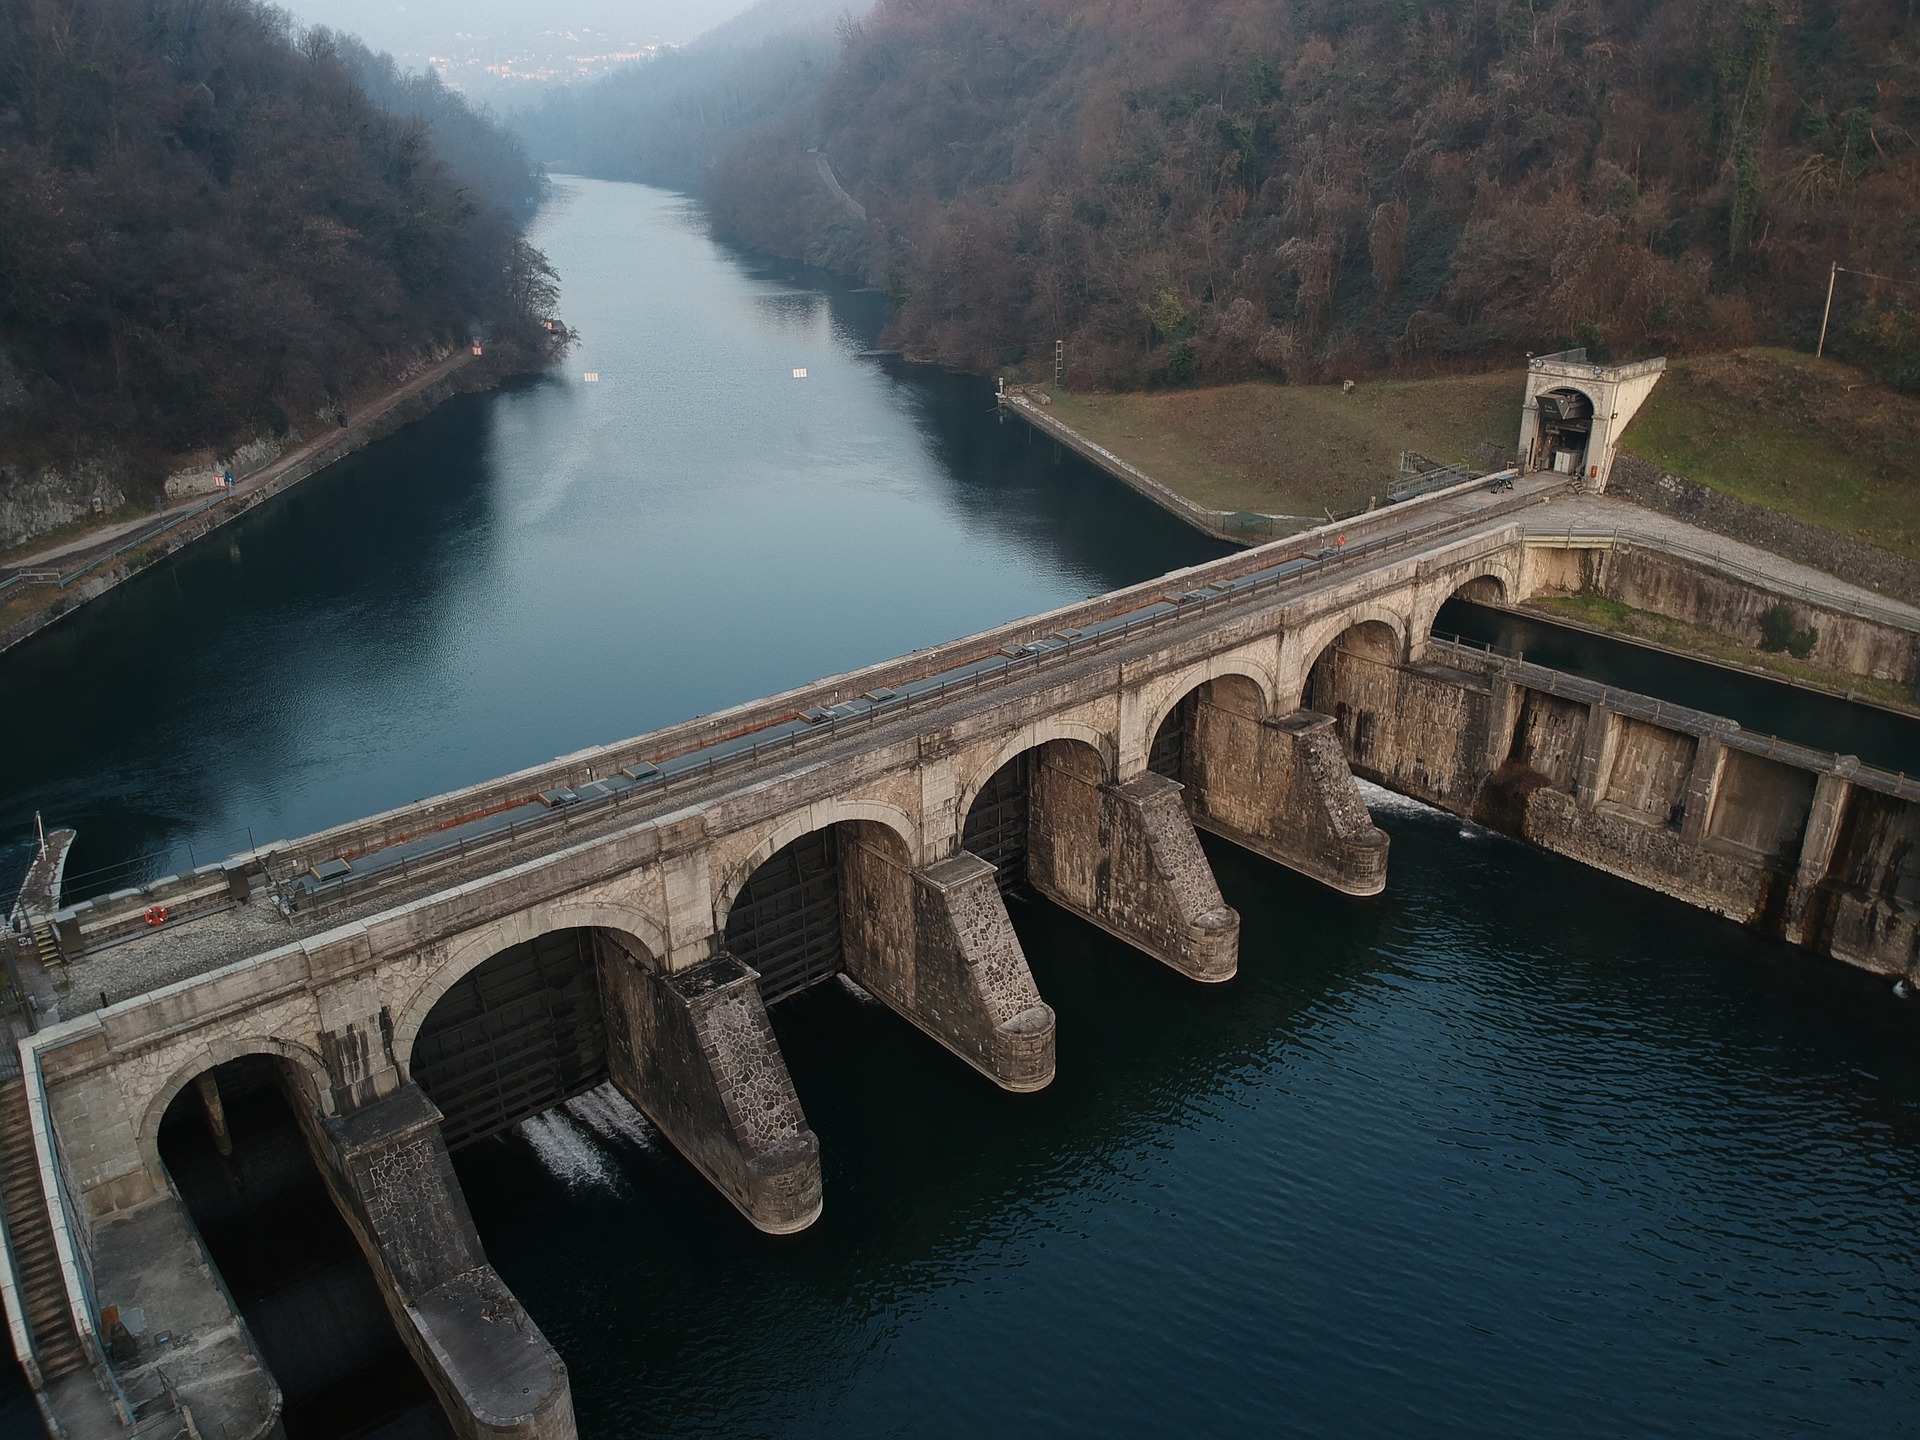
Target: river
1512, 1150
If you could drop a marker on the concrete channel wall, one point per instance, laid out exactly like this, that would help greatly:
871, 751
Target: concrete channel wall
1812, 847
1697, 591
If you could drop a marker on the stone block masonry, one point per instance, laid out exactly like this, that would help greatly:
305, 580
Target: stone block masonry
1810, 847
695, 1054
496, 1376
948, 961
1276, 678
1126, 858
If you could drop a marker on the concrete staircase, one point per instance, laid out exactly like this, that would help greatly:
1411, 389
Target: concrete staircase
46, 945
43, 1294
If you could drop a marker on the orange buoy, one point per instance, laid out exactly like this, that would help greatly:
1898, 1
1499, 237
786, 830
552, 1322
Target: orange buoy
156, 915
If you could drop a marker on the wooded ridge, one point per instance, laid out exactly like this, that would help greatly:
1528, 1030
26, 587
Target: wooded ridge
1199, 190
217, 225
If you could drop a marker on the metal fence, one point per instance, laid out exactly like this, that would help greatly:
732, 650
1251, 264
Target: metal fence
143, 538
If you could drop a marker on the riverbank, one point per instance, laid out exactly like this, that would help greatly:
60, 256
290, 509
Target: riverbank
1298, 449
52, 581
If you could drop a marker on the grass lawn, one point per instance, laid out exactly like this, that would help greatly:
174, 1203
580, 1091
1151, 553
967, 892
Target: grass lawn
1297, 449
1810, 438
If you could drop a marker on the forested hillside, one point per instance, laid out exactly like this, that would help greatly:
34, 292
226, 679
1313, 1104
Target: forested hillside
211, 231
1202, 189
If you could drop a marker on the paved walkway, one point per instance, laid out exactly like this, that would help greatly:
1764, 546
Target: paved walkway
1600, 514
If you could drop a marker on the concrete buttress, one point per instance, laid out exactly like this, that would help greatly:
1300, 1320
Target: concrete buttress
950, 963
1282, 789
696, 1053
494, 1372
1126, 858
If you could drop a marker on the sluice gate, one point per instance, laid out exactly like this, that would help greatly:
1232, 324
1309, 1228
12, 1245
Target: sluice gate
785, 923
1173, 741
996, 828
515, 1037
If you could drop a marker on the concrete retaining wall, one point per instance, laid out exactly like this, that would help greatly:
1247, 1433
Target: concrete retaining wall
1852, 559
1648, 579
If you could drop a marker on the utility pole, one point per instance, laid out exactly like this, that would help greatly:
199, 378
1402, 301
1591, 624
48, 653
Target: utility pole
1060, 364
1827, 314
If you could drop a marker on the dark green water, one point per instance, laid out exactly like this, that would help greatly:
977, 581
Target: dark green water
1513, 1150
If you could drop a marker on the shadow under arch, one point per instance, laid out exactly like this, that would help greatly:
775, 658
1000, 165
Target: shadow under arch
1355, 679
1495, 587
524, 1029
241, 1143
1176, 749
813, 819
998, 822
820, 902
305, 1071
1173, 691
1034, 737
476, 947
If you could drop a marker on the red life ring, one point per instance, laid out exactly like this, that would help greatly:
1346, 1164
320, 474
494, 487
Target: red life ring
156, 915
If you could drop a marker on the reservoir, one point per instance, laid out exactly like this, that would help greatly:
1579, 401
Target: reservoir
1514, 1149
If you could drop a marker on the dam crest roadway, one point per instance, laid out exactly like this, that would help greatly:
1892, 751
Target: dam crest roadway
430, 976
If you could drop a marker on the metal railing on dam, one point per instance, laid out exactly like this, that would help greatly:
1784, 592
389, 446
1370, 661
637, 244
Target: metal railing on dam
585, 791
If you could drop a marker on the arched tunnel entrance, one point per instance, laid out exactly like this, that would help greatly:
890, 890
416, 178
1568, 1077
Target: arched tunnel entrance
242, 1163
1566, 427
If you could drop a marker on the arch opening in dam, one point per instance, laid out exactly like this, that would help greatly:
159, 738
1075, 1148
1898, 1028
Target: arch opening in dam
1354, 679
515, 1036
820, 905
1027, 805
1214, 712
243, 1164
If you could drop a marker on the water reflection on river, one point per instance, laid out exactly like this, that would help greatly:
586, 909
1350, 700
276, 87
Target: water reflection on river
1514, 1149
527, 573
